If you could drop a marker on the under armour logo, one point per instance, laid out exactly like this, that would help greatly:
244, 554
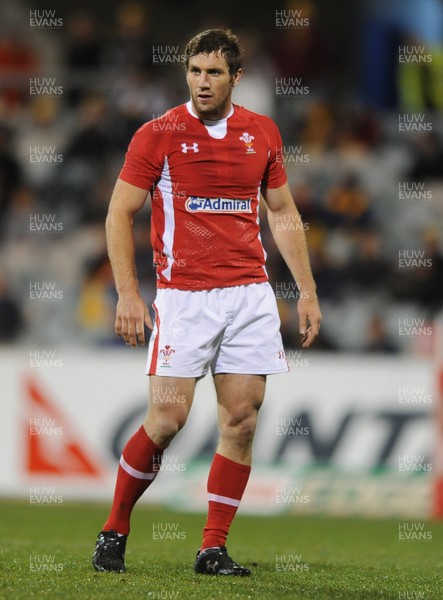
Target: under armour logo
211, 566
185, 148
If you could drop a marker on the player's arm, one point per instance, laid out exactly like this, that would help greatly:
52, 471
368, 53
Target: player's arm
291, 242
132, 313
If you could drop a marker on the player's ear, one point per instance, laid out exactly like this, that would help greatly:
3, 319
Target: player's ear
236, 77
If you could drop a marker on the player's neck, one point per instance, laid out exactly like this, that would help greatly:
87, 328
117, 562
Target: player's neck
224, 114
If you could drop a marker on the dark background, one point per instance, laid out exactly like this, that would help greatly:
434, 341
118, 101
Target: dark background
346, 127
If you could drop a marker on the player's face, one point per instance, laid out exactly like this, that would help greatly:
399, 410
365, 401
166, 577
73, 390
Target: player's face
210, 85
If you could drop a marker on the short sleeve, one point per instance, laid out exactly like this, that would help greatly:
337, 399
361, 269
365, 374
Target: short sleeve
275, 175
144, 159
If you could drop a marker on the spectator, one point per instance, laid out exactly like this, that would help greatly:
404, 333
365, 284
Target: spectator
368, 270
378, 339
18, 62
428, 158
11, 319
130, 46
429, 278
347, 204
96, 303
10, 175
84, 50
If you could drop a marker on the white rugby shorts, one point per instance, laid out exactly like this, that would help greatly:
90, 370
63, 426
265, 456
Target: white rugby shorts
230, 330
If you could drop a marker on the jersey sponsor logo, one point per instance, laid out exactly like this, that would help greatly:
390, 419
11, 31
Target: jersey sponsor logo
217, 205
194, 147
248, 141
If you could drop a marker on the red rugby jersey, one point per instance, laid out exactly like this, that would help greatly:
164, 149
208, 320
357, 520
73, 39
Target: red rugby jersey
205, 179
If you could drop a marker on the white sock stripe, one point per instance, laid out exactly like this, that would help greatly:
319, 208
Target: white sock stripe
138, 474
223, 500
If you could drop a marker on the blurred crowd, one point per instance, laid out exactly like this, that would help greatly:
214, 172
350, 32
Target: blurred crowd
347, 161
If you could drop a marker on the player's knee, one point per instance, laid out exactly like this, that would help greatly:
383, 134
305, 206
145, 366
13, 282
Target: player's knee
247, 430
240, 427
167, 426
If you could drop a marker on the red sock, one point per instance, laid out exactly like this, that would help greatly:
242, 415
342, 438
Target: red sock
226, 483
139, 464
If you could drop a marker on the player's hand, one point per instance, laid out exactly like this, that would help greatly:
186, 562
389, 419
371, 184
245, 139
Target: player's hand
131, 317
309, 316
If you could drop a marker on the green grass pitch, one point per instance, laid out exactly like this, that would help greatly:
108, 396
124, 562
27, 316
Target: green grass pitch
46, 553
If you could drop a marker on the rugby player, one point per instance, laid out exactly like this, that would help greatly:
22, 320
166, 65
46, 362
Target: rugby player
214, 307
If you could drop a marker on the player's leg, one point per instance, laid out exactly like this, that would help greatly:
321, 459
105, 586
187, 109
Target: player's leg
239, 399
251, 349
169, 406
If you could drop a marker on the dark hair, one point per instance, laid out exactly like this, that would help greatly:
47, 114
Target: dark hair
216, 40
